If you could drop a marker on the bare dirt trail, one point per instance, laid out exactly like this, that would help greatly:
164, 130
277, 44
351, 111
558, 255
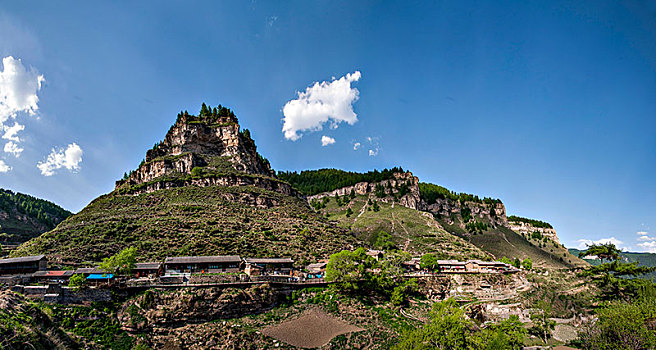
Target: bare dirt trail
364, 208
407, 234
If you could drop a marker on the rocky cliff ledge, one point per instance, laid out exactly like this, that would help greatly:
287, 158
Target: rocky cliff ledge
494, 214
391, 186
527, 229
204, 150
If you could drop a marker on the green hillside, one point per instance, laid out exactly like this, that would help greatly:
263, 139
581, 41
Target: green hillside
23, 216
398, 227
193, 221
203, 190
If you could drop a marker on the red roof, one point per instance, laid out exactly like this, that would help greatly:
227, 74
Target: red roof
55, 273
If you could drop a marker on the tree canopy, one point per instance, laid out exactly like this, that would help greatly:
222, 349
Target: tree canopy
44, 211
615, 279
449, 329
122, 262
431, 193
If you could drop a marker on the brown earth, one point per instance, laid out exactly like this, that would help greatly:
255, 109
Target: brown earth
313, 329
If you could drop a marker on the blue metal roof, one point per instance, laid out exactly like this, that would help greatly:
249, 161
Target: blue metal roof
98, 276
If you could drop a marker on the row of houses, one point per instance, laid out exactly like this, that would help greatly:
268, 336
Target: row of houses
37, 266
469, 266
227, 264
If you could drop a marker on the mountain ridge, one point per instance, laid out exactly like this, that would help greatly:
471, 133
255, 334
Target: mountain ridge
23, 216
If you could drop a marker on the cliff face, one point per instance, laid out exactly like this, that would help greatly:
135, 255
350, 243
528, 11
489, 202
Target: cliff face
445, 208
391, 186
528, 229
207, 150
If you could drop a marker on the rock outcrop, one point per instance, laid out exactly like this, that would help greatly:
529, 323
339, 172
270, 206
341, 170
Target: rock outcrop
391, 186
494, 214
525, 228
205, 150
157, 311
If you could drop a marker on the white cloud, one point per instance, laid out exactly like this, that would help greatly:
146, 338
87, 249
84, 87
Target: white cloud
583, 243
4, 167
11, 147
18, 88
375, 146
356, 146
646, 238
325, 140
18, 93
12, 131
648, 246
321, 103
69, 158
642, 233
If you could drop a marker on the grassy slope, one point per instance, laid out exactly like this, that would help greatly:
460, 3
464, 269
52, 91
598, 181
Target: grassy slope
502, 241
411, 230
192, 221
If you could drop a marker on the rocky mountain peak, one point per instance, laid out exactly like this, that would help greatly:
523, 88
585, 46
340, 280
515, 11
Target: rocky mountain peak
210, 143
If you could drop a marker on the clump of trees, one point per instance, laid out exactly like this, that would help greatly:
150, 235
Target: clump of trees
625, 318
476, 227
543, 326
615, 279
77, 281
121, 263
449, 329
311, 182
352, 273
46, 212
431, 193
532, 222
626, 324
219, 112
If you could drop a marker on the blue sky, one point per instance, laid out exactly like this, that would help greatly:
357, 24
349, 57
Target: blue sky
550, 106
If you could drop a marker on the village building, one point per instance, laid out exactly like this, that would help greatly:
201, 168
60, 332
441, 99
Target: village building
149, 269
268, 266
100, 278
455, 266
413, 265
86, 271
495, 266
316, 270
202, 264
52, 276
23, 265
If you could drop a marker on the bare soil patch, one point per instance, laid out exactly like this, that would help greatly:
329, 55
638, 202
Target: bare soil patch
313, 329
